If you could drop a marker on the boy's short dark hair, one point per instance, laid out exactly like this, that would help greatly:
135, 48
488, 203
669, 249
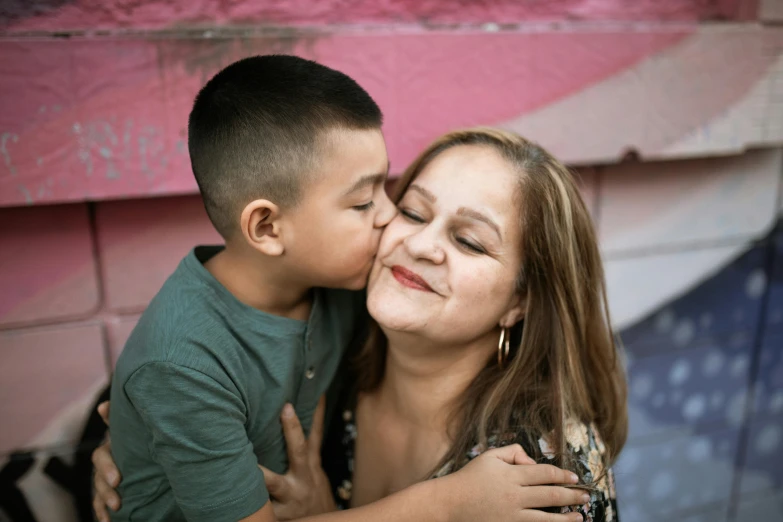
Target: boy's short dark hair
254, 129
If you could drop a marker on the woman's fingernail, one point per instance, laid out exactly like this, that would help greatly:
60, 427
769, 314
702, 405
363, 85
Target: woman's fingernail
113, 478
573, 478
585, 498
114, 504
288, 410
578, 517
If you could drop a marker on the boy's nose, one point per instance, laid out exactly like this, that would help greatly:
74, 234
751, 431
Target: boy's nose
386, 211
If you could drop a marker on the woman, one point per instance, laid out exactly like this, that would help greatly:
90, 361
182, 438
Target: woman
492, 328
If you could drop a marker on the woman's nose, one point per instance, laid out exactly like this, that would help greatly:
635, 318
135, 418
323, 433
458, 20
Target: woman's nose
425, 245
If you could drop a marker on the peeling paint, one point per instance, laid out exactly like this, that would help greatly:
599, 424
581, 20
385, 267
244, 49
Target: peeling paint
102, 150
28, 198
207, 56
6, 136
59, 15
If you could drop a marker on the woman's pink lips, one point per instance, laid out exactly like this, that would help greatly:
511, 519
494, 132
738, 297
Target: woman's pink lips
410, 279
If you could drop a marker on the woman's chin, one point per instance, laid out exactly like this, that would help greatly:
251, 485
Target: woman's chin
388, 312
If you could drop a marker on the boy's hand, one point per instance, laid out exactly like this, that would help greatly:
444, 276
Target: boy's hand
495, 487
304, 490
107, 476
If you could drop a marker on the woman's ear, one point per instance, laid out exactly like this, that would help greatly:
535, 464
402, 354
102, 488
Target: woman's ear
515, 312
261, 227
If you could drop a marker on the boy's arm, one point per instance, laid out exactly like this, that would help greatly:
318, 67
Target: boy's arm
502, 484
499, 485
199, 438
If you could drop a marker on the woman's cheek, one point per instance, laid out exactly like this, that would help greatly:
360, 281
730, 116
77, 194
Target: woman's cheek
392, 236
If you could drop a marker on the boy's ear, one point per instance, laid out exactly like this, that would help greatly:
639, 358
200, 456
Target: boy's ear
260, 223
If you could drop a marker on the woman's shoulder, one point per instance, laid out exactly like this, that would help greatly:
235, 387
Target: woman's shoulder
587, 452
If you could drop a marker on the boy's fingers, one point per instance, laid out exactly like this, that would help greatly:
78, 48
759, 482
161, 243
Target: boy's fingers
103, 411
317, 431
521, 457
543, 474
553, 496
105, 469
508, 454
275, 484
294, 438
533, 515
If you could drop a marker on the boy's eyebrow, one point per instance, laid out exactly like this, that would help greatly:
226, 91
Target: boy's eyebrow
368, 180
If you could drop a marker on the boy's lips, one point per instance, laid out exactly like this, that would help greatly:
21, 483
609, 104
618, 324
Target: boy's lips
410, 279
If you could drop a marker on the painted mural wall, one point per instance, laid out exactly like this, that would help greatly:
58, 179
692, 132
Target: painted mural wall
671, 111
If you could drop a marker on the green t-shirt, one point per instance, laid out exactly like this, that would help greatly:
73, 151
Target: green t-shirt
198, 390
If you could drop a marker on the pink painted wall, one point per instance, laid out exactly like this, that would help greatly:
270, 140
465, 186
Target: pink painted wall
38, 15
83, 120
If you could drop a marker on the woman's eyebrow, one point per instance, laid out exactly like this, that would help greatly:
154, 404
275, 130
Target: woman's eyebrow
478, 216
424, 192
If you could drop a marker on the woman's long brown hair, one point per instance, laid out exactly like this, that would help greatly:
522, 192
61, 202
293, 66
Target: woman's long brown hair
564, 362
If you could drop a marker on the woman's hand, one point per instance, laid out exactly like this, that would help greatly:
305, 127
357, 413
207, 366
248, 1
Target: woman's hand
107, 476
304, 490
506, 484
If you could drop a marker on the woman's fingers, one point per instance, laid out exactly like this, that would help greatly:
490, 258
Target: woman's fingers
294, 439
106, 494
101, 513
317, 431
275, 483
105, 469
103, 411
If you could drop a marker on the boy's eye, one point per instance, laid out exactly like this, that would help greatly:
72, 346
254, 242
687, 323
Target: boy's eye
366, 206
411, 216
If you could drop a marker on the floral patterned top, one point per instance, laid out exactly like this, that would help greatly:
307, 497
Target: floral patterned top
583, 441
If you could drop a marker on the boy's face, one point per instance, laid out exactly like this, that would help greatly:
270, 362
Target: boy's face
334, 231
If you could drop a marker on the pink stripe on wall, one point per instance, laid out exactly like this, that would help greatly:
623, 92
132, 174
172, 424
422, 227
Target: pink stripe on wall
113, 124
107, 119
38, 15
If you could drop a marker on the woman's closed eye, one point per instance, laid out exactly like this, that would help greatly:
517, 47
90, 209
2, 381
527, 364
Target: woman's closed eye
411, 216
470, 245
466, 243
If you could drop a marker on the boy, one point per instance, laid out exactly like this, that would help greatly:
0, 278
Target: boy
237, 332
291, 163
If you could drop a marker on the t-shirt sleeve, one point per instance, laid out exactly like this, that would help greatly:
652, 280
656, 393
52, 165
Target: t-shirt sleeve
199, 438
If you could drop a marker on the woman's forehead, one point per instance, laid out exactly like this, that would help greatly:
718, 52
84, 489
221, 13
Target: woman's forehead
469, 175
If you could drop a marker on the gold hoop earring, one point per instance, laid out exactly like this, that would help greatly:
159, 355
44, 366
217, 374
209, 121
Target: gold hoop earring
503, 347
